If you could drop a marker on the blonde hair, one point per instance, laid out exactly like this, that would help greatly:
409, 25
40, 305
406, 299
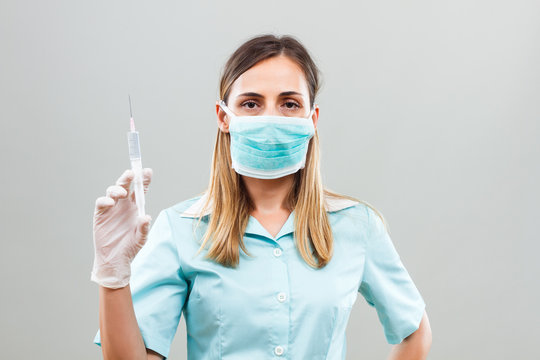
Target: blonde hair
231, 206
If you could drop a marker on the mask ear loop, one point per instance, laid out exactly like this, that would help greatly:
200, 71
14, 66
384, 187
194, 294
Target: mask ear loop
311, 113
226, 109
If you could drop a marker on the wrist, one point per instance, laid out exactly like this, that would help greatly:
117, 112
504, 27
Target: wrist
112, 277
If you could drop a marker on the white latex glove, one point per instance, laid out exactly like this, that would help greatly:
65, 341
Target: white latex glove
119, 232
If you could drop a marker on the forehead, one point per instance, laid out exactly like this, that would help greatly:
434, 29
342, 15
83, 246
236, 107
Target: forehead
272, 76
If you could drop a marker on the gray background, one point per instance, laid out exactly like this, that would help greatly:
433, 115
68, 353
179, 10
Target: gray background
429, 111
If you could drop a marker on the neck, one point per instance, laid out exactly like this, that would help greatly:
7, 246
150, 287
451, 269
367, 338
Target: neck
269, 195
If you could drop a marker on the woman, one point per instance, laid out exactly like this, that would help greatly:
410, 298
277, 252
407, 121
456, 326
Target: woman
265, 263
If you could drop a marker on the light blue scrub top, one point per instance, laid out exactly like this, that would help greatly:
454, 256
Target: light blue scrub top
273, 306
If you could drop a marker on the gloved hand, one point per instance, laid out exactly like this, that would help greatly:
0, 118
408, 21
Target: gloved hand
119, 232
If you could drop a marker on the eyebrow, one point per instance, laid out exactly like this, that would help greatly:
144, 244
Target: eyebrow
254, 94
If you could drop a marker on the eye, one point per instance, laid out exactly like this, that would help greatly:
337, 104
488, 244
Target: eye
292, 105
250, 104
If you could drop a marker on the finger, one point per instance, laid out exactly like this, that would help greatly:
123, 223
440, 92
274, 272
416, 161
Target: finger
147, 175
144, 224
143, 229
116, 192
147, 178
125, 179
103, 204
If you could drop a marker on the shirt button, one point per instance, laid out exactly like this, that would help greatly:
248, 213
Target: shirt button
278, 350
282, 296
277, 252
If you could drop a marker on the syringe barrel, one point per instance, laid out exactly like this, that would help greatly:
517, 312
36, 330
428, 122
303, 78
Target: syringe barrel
133, 143
138, 186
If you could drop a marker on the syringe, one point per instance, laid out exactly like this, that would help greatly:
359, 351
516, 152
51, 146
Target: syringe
136, 163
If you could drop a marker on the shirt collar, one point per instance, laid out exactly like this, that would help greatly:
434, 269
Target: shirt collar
331, 204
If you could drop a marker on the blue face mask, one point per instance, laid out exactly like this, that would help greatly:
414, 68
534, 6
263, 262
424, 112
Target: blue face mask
268, 147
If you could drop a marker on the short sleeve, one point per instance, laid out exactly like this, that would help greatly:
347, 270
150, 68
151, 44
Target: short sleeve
387, 286
158, 287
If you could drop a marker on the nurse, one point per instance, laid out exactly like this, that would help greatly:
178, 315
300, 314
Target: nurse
266, 263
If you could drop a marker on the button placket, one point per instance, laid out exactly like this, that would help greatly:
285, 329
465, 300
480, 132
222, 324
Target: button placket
281, 320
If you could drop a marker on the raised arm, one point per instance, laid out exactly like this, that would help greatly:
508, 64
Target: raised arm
118, 236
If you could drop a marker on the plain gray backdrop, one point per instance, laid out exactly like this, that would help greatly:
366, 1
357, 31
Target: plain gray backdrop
429, 111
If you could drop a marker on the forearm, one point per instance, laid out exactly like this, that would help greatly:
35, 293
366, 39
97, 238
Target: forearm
119, 331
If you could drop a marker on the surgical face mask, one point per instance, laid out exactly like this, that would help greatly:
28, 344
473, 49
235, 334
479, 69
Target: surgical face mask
268, 146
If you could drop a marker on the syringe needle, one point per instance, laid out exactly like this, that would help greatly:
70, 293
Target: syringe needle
131, 122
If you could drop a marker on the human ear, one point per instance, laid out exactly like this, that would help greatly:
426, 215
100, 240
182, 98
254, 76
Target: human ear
222, 123
315, 116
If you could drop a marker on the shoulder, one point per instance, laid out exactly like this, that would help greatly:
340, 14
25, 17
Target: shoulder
183, 205
338, 205
356, 215
178, 209
348, 216
183, 227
